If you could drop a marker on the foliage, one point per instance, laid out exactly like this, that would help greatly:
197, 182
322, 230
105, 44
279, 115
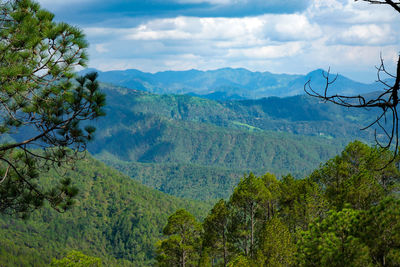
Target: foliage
215, 236
240, 261
246, 202
76, 259
198, 148
354, 177
114, 218
41, 104
181, 248
346, 213
381, 232
184, 180
276, 246
334, 242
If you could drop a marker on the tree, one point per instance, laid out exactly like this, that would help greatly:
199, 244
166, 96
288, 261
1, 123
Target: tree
271, 203
353, 178
386, 102
334, 241
301, 201
76, 259
240, 261
42, 105
216, 231
276, 246
182, 246
380, 230
246, 202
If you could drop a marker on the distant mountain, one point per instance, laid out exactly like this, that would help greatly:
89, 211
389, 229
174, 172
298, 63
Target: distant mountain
228, 83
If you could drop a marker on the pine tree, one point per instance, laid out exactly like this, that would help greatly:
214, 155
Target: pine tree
42, 105
182, 246
215, 238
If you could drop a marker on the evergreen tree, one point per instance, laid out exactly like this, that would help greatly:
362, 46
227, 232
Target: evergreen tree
42, 105
215, 238
301, 201
182, 246
273, 193
276, 247
353, 177
380, 230
334, 241
246, 202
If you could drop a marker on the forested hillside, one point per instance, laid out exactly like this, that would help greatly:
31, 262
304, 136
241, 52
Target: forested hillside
184, 145
114, 218
346, 213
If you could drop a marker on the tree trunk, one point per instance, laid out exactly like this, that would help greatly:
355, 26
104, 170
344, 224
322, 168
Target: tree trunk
183, 259
251, 230
225, 252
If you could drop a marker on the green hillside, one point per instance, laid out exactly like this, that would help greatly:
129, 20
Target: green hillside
115, 218
189, 146
183, 180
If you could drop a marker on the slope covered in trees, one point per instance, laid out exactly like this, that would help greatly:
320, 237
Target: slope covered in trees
114, 218
184, 145
346, 213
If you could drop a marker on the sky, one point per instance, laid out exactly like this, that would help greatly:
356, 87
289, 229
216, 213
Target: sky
279, 36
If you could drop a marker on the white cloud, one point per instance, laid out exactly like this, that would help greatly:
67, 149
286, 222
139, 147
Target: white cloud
367, 34
101, 48
346, 35
272, 27
293, 27
267, 52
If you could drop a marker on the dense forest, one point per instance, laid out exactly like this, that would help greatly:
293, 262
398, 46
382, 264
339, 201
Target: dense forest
346, 213
114, 218
199, 148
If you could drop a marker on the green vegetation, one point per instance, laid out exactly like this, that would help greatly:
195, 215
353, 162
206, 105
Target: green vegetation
42, 104
198, 148
346, 213
114, 218
180, 248
182, 180
76, 259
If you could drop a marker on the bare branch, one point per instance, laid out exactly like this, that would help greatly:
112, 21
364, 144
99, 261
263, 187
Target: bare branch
387, 102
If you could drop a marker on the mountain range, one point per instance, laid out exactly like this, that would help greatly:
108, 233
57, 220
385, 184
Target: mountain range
200, 148
229, 83
195, 145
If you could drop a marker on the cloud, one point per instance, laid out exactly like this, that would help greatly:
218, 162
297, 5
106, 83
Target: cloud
101, 48
267, 52
285, 36
246, 30
93, 12
367, 34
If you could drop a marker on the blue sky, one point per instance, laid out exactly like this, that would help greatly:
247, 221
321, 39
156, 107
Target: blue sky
280, 36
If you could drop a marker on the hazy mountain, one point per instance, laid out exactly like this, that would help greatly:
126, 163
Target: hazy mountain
228, 83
